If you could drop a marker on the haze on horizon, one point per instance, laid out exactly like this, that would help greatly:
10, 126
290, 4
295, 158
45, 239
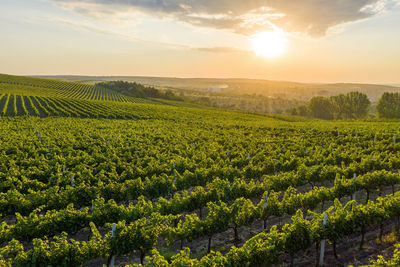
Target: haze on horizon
307, 41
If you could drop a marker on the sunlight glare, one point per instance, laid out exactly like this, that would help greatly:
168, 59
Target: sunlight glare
269, 44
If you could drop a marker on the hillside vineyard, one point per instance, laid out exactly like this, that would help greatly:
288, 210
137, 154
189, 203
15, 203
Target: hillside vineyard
90, 177
21, 96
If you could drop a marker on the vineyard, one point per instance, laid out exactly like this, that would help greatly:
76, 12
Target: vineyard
44, 87
182, 186
21, 96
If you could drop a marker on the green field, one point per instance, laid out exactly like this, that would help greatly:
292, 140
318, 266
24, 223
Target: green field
93, 177
40, 97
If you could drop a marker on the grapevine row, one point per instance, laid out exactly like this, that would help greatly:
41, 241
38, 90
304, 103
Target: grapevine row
61, 89
15, 105
263, 248
71, 220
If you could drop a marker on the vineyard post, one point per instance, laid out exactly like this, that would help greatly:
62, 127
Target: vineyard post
72, 180
356, 134
113, 236
265, 207
63, 167
248, 157
322, 252
355, 186
375, 138
394, 138
311, 179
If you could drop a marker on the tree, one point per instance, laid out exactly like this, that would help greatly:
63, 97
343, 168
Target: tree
340, 106
359, 104
302, 111
389, 105
321, 107
353, 105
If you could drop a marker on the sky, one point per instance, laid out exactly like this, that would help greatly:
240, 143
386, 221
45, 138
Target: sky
319, 40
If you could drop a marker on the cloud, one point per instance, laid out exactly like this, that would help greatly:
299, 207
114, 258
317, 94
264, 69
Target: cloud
220, 50
87, 27
312, 17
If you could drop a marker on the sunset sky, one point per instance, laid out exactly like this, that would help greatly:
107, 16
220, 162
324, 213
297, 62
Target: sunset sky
311, 40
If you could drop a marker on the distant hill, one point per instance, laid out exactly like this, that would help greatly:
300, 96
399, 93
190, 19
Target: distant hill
283, 89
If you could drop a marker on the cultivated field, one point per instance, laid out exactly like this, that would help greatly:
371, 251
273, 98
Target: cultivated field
91, 177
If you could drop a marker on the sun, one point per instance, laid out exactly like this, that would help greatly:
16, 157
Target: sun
269, 44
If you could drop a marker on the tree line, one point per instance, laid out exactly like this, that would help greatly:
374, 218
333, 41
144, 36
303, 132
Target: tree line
353, 105
138, 90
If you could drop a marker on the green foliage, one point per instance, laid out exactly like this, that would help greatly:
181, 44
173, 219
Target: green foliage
389, 106
152, 177
393, 262
138, 90
352, 105
321, 108
40, 97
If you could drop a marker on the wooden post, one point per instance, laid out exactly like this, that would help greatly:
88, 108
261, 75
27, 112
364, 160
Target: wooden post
265, 207
113, 236
322, 252
265, 201
355, 180
113, 230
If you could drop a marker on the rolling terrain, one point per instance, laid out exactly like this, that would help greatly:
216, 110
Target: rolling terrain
230, 86
176, 185
42, 97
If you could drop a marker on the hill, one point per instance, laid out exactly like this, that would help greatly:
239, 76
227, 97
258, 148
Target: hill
43, 97
283, 89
